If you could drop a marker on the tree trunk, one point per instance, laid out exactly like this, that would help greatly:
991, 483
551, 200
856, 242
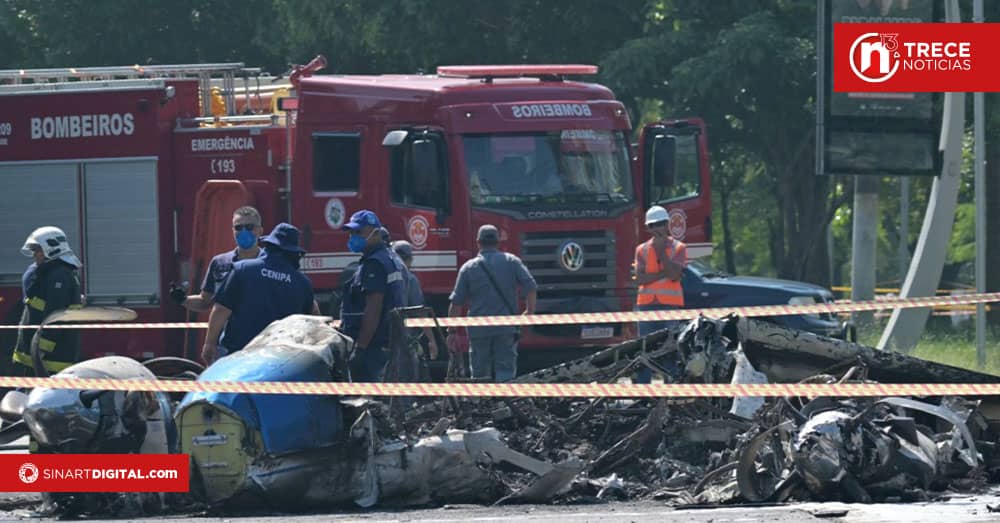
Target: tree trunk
815, 265
790, 246
727, 240
806, 213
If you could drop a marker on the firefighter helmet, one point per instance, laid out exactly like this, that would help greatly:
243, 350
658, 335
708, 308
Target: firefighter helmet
54, 245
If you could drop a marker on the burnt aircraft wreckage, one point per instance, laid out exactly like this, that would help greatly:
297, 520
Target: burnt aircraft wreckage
293, 452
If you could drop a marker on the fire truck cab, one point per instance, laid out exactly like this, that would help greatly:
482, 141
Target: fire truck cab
545, 159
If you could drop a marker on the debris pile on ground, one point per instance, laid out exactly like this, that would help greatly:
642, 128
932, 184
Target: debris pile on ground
710, 451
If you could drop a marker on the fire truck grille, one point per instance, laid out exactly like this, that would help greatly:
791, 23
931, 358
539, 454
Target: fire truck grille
570, 263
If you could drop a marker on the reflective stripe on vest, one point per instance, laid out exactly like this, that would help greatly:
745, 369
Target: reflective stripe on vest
36, 303
51, 366
46, 344
663, 291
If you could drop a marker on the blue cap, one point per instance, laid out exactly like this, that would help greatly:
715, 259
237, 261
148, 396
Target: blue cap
361, 219
284, 236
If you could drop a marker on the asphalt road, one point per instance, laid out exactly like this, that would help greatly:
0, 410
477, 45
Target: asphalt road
960, 508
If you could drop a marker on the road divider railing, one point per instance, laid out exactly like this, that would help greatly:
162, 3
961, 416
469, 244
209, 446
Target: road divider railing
755, 311
896, 290
888, 293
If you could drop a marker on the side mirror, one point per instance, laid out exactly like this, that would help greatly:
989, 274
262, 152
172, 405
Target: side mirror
664, 152
394, 138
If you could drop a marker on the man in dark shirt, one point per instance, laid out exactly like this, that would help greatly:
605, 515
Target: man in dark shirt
375, 289
247, 227
258, 292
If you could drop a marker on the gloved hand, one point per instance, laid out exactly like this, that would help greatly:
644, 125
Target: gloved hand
177, 294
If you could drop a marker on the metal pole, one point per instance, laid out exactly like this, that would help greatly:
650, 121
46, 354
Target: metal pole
864, 243
904, 227
979, 131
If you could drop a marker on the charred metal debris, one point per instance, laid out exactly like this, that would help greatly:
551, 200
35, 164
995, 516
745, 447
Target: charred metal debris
742, 450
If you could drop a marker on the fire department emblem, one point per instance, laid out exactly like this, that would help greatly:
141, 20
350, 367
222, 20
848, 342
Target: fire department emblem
418, 229
571, 256
678, 223
335, 213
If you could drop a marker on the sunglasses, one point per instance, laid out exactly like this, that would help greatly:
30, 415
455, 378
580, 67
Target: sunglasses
245, 227
656, 225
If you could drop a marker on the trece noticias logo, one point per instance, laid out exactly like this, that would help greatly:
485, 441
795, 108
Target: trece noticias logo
876, 57
915, 57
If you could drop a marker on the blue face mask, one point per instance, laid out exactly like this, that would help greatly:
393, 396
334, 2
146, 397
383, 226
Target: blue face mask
246, 239
356, 243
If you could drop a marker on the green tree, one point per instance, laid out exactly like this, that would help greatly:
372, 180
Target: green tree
15, 37
412, 35
73, 33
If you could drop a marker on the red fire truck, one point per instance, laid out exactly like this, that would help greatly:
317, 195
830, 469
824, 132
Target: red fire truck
143, 166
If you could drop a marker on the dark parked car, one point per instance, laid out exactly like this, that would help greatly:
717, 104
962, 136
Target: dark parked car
707, 287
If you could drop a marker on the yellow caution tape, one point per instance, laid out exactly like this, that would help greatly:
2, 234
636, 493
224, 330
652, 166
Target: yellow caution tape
615, 317
537, 390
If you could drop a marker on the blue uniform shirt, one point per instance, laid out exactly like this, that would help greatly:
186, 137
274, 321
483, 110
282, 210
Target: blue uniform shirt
379, 272
260, 291
218, 269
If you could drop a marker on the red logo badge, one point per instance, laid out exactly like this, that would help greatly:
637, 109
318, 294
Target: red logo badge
678, 223
899, 58
418, 229
94, 472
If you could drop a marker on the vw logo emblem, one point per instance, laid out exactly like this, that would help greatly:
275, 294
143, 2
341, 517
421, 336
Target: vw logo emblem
571, 256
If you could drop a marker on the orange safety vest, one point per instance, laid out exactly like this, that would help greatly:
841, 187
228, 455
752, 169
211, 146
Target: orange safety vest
664, 291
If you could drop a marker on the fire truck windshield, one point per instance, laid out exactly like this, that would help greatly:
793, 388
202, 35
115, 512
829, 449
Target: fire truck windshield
572, 166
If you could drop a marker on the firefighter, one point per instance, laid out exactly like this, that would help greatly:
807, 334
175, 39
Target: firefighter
257, 292
247, 227
659, 265
372, 292
51, 283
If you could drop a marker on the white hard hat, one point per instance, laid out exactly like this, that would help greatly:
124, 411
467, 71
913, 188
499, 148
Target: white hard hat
656, 214
52, 241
